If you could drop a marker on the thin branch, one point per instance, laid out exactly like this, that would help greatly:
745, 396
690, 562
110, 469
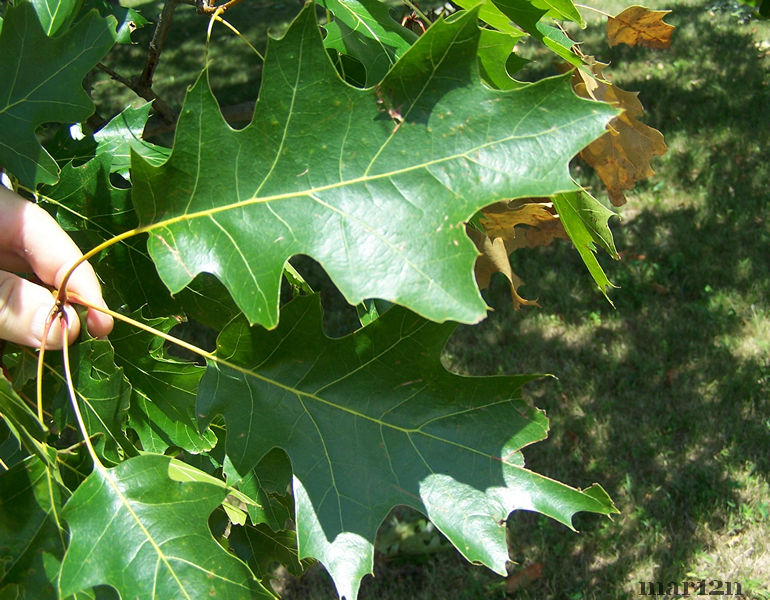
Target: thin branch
116, 76
417, 11
161, 106
143, 84
204, 8
157, 42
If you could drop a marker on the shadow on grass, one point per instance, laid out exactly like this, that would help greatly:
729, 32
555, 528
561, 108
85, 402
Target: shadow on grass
665, 400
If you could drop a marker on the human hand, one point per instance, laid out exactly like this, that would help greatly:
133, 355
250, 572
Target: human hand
32, 242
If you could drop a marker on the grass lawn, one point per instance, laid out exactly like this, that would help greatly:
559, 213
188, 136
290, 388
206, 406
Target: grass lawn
664, 399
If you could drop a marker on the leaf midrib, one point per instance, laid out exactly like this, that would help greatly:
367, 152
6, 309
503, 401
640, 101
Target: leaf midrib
310, 192
248, 372
106, 476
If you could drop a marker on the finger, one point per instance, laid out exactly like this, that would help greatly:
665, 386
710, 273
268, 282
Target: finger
11, 261
24, 308
30, 233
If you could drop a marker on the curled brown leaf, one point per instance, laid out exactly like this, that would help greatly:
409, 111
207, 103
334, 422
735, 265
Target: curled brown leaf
621, 157
494, 259
508, 226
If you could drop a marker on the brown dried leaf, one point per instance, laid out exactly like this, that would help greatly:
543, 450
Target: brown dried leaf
640, 26
494, 259
592, 83
510, 225
500, 219
503, 220
533, 237
621, 157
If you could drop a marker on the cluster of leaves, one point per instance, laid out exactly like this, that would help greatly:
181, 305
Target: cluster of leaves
378, 150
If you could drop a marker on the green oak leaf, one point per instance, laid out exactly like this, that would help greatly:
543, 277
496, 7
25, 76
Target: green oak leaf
471, 519
129, 19
530, 17
43, 83
380, 201
111, 143
585, 220
89, 206
162, 410
85, 200
32, 536
92, 210
564, 10
137, 530
55, 15
124, 133
504, 15
490, 14
12, 452
262, 548
23, 423
496, 60
207, 301
365, 30
103, 394
17, 413
267, 485
21, 366
232, 504
373, 420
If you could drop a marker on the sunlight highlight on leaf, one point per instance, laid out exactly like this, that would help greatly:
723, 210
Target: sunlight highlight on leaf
135, 529
380, 202
373, 420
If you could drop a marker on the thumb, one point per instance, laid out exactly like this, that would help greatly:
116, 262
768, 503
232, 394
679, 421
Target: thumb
24, 308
